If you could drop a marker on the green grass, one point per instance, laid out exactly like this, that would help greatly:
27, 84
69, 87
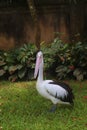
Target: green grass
22, 108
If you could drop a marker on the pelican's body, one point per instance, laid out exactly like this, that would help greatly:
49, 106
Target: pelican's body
56, 92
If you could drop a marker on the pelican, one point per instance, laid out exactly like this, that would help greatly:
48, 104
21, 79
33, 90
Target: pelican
56, 92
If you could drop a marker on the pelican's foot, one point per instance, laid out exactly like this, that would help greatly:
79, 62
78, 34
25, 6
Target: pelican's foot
53, 108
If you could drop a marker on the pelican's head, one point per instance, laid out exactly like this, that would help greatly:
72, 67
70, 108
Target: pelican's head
39, 62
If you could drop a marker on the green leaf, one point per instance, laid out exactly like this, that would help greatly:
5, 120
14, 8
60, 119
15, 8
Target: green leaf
19, 66
76, 72
12, 68
23, 49
25, 46
21, 73
80, 77
2, 63
5, 67
13, 78
23, 60
2, 72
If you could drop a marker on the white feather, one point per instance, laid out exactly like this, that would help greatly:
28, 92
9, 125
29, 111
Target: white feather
47, 90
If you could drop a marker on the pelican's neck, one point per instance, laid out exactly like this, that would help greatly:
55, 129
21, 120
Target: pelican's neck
40, 75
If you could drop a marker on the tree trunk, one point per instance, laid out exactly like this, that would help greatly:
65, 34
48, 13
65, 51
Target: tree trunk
34, 16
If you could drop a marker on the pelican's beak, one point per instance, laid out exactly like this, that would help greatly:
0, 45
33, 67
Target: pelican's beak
38, 61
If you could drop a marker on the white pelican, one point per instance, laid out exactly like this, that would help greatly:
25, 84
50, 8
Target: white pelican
56, 92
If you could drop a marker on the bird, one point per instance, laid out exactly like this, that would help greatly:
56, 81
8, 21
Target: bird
56, 92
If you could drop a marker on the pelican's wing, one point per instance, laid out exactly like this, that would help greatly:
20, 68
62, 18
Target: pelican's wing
54, 89
59, 90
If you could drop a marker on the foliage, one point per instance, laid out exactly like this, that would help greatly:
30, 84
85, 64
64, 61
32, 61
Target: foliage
79, 60
18, 63
61, 60
67, 60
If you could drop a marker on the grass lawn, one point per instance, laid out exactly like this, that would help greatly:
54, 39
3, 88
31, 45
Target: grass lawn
22, 108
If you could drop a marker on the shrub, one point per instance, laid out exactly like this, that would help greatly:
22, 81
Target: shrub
62, 60
79, 58
18, 63
66, 60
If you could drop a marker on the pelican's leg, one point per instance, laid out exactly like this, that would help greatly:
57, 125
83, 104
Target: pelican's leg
53, 108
